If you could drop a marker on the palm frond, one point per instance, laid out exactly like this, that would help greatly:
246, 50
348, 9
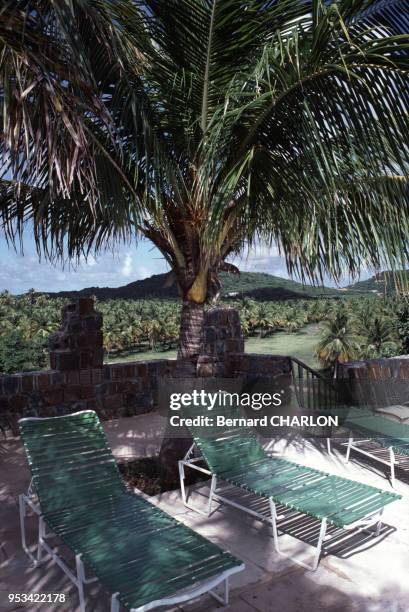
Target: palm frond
208, 125
323, 110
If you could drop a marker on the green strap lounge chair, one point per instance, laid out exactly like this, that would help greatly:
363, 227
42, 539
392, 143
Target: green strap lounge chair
142, 557
235, 456
380, 438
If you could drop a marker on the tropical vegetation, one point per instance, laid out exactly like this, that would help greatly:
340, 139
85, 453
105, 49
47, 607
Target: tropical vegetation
207, 126
350, 328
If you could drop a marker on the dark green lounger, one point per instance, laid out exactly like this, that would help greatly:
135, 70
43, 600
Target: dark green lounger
143, 557
236, 457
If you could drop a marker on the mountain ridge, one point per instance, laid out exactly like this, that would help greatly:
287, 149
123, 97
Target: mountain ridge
257, 285
383, 283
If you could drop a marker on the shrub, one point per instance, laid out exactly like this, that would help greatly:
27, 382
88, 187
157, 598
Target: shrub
18, 354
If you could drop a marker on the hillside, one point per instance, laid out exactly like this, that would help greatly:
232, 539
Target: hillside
383, 283
250, 284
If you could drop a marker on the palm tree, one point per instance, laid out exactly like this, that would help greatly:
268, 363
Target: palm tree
205, 126
339, 342
379, 334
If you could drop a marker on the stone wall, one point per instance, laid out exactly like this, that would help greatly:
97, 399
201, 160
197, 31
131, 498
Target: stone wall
123, 389
222, 336
375, 369
78, 345
376, 383
251, 364
79, 380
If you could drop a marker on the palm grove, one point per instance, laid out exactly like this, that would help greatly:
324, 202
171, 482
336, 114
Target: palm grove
350, 328
207, 126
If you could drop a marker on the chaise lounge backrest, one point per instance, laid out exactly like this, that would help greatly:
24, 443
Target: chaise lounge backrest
228, 447
70, 460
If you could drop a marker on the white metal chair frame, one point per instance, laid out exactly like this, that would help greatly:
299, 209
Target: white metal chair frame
79, 579
363, 524
361, 446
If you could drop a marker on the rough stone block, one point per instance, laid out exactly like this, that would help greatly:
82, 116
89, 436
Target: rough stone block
37, 402
98, 358
18, 402
27, 383
234, 345
107, 372
67, 361
86, 360
42, 381
131, 370
11, 384
85, 306
72, 393
93, 322
87, 391
72, 377
4, 403
96, 376
403, 369
54, 395
85, 377
113, 402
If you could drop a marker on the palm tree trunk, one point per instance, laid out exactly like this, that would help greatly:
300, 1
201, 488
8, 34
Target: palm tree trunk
191, 328
190, 339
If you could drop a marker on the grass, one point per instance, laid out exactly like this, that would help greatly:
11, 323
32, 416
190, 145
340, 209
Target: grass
142, 356
299, 344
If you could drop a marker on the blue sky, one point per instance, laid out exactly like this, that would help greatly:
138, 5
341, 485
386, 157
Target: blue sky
19, 273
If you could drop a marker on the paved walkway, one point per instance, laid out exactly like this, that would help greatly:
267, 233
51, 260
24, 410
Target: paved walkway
359, 574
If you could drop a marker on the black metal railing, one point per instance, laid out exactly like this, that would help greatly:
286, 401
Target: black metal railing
314, 391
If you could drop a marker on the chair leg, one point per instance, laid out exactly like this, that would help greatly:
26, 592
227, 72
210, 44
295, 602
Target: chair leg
22, 508
379, 524
80, 581
273, 512
392, 465
323, 530
41, 534
223, 599
182, 481
318, 549
208, 510
212, 489
350, 441
114, 603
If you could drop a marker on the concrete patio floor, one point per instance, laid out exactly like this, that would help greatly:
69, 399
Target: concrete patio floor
361, 573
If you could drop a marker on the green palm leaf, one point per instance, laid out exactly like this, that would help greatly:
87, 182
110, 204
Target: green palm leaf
207, 125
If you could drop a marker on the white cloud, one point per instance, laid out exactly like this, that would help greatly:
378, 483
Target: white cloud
127, 266
19, 273
262, 259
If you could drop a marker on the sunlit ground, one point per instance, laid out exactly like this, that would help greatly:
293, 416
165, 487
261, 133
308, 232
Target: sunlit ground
299, 344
